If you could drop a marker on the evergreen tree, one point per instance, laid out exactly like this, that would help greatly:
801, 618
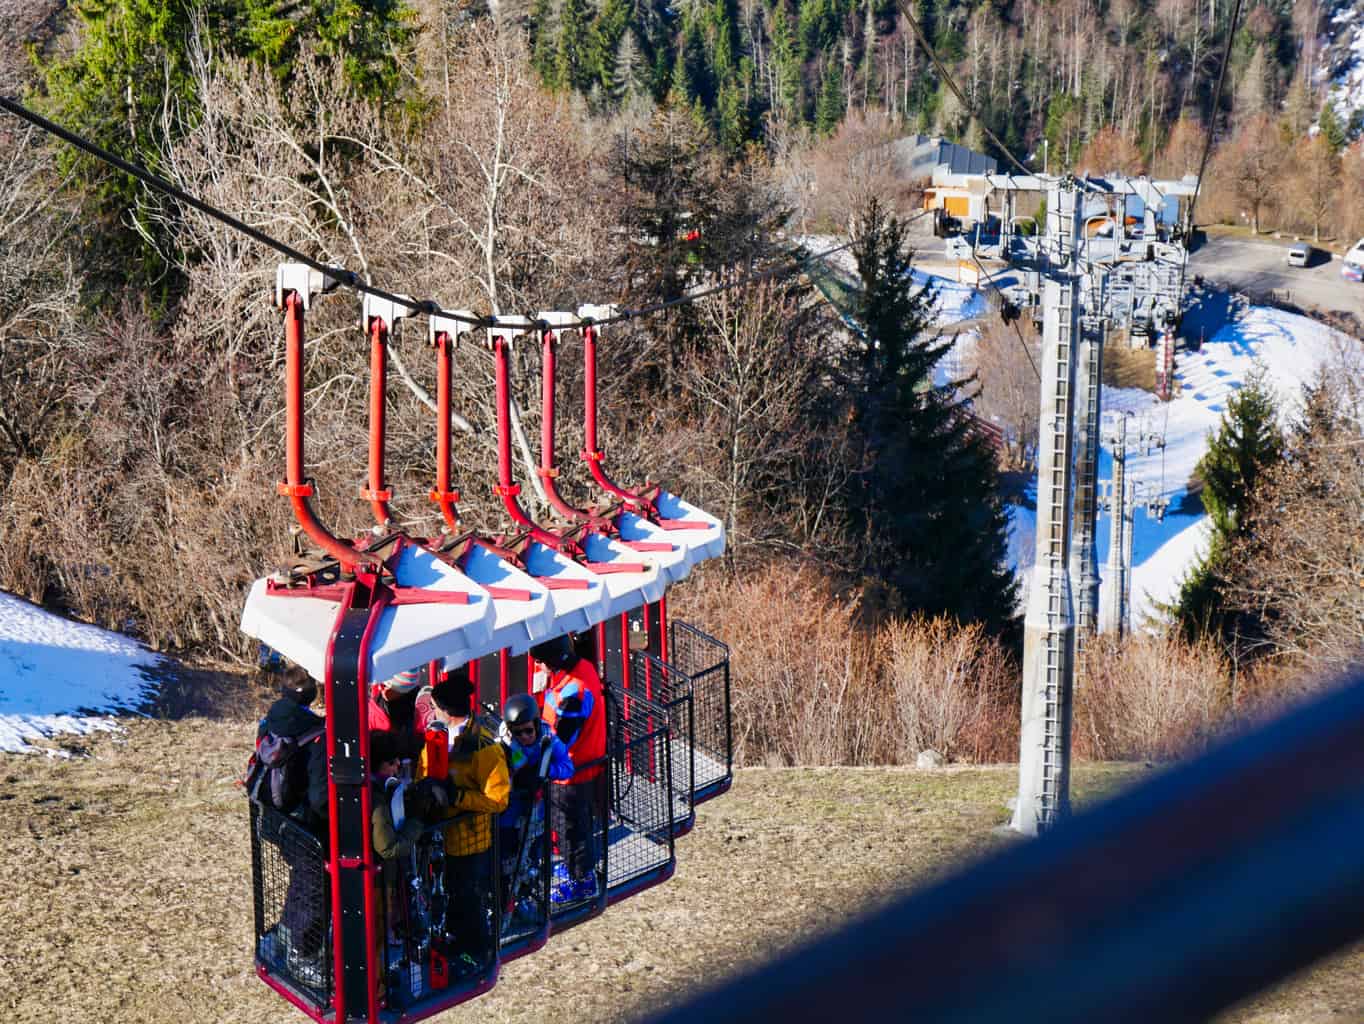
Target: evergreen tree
829, 106
1331, 129
692, 80
573, 57
608, 34
926, 502
1248, 440
133, 62
1247, 443
786, 59
731, 118
543, 40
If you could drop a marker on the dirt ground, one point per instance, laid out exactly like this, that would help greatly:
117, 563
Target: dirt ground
126, 887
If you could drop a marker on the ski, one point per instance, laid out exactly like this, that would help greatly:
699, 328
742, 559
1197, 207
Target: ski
523, 844
438, 767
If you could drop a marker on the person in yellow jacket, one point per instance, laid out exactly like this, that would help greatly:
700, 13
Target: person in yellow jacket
478, 788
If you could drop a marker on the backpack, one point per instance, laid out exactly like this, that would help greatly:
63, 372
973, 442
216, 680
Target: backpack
277, 773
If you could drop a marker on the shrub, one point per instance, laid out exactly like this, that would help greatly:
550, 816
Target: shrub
813, 684
1147, 698
954, 690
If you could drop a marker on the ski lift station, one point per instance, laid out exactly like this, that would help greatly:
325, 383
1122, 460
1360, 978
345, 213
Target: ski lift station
356, 611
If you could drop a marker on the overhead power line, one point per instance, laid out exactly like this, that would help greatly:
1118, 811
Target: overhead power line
1216, 102
349, 278
1211, 129
952, 84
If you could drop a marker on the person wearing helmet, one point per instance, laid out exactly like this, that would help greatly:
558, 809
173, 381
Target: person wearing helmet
534, 754
526, 739
575, 710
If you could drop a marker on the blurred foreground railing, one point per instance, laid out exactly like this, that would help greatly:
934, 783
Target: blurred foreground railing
1168, 903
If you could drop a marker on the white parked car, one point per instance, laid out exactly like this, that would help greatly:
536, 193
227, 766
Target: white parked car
1352, 267
1298, 254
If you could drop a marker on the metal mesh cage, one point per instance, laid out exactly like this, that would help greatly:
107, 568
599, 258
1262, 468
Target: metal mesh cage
292, 903
412, 898
578, 844
705, 661
642, 791
663, 686
440, 913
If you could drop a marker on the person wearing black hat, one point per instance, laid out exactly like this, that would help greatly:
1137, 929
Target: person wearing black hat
478, 789
290, 718
289, 722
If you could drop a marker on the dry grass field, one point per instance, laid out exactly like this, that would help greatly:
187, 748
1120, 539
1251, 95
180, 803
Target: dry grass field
1129, 367
127, 889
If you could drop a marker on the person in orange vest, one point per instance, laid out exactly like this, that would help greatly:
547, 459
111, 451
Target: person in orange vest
575, 710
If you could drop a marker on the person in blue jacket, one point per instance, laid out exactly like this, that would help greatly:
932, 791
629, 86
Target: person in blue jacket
534, 754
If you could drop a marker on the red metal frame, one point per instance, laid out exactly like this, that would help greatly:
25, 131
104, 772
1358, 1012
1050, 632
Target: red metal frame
592, 454
373, 589
292, 997
377, 494
507, 489
443, 495
379, 598
549, 471
640, 502
295, 485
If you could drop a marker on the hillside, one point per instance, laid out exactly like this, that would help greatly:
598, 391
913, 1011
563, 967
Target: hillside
129, 872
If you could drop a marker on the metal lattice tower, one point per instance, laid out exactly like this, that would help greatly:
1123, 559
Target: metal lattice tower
1115, 592
1084, 559
1049, 624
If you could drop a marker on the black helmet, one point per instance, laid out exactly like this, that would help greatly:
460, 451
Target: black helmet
520, 709
556, 654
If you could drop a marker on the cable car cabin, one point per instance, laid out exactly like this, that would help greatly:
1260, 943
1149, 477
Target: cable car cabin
345, 936
346, 933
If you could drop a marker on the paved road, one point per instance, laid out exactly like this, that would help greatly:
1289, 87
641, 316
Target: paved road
1254, 267
1259, 267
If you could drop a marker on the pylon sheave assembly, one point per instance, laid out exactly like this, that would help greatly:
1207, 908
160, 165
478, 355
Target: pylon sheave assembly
346, 937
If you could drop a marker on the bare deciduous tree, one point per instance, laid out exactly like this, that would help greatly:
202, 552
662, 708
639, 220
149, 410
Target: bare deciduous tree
755, 377
1109, 150
1008, 385
1318, 181
1250, 168
1300, 566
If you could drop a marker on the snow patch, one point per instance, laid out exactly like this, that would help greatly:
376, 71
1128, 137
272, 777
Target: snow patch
956, 301
1290, 347
1343, 62
63, 677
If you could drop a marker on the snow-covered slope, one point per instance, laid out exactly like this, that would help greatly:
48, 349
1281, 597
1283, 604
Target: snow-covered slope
1290, 347
58, 676
1342, 61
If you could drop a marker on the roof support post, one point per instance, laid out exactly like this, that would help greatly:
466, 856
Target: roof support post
294, 287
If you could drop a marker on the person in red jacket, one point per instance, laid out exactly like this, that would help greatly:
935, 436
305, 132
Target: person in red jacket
575, 709
392, 708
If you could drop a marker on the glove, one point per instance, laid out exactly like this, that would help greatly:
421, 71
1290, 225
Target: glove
426, 800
